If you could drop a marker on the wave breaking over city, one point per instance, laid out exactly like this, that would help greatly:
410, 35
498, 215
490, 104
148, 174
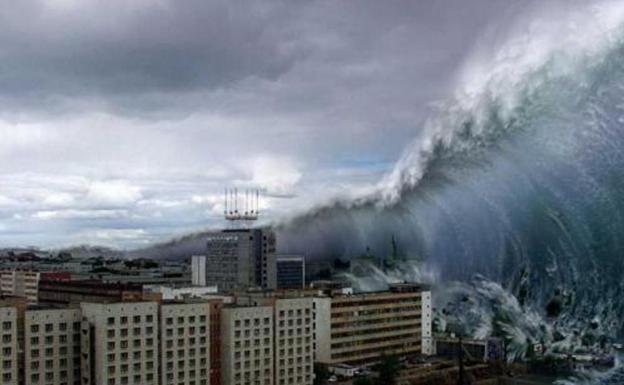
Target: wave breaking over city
513, 194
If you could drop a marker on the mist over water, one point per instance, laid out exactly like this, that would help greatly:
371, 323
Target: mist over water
514, 192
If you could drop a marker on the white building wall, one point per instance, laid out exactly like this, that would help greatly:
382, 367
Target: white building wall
247, 345
198, 269
185, 344
322, 329
179, 293
124, 348
427, 315
52, 346
294, 350
8, 346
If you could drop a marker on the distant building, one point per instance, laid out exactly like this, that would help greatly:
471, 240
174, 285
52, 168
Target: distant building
25, 283
286, 272
478, 350
332, 287
198, 268
361, 328
236, 259
75, 292
179, 293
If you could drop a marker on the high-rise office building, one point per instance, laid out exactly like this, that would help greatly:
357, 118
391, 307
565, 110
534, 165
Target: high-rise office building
286, 272
236, 259
185, 343
120, 343
52, 347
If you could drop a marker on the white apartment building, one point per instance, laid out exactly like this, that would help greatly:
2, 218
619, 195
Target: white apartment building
185, 344
294, 341
8, 346
247, 345
120, 343
52, 347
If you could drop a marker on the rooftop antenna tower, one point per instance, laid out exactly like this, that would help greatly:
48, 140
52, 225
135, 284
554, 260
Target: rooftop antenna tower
250, 207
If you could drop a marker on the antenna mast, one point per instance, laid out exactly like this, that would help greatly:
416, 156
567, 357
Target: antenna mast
250, 209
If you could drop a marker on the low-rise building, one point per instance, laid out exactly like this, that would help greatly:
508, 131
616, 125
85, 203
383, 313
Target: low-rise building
25, 283
180, 292
361, 328
95, 291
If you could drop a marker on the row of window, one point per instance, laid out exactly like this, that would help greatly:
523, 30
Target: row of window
124, 344
248, 322
49, 340
49, 352
180, 331
49, 327
189, 319
137, 319
111, 333
191, 342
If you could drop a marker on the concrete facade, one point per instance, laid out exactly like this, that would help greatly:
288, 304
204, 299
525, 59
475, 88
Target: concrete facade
361, 328
185, 344
294, 341
120, 343
52, 347
238, 259
198, 270
286, 272
247, 345
180, 293
9, 346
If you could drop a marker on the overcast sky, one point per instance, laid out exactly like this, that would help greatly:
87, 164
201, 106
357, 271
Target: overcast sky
122, 121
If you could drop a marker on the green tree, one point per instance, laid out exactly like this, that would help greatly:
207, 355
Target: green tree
321, 374
363, 381
388, 369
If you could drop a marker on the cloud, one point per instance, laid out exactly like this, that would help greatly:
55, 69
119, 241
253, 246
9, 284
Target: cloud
80, 214
278, 175
112, 193
137, 114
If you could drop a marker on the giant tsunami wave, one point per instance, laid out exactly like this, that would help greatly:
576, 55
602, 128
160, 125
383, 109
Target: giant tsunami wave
512, 196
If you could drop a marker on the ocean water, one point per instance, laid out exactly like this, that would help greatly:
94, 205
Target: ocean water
510, 200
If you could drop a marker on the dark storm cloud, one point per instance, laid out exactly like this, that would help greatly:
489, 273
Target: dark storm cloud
67, 49
56, 52
122, 121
